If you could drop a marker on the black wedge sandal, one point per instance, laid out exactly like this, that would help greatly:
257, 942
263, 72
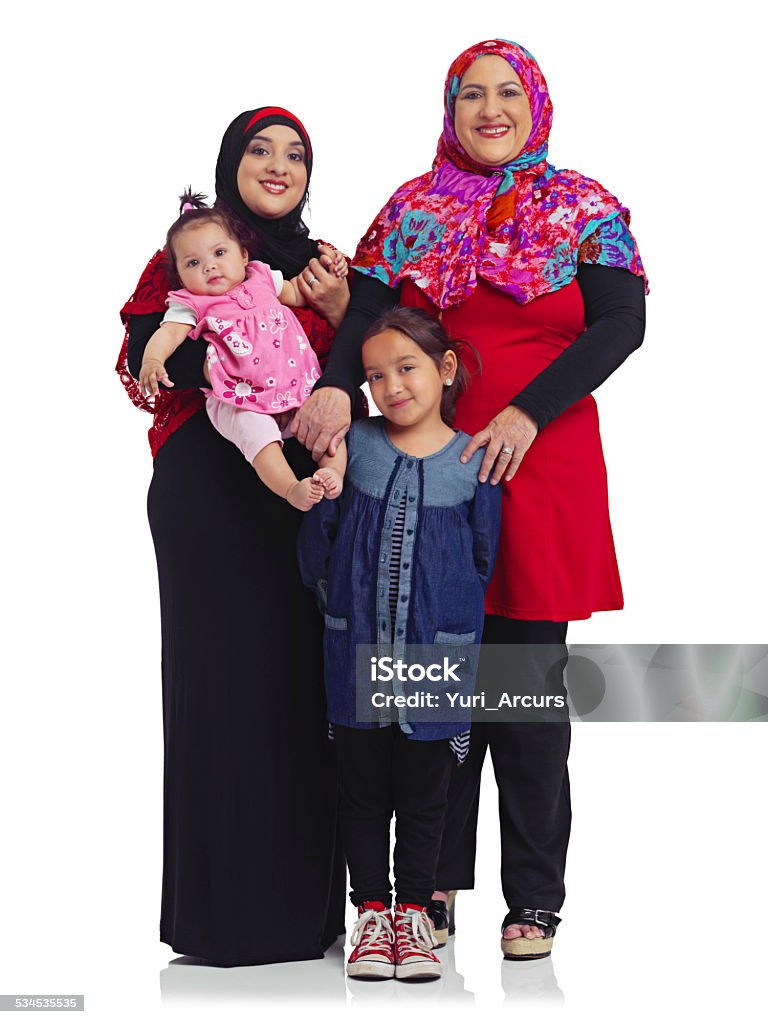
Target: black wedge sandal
441, 914
529, 949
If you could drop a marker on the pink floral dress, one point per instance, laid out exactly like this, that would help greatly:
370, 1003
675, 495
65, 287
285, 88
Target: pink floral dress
258, 355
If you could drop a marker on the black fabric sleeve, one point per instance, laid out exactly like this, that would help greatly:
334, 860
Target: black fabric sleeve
369, 299
614, 312
185, 366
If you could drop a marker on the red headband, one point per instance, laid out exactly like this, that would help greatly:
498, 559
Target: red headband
265, 113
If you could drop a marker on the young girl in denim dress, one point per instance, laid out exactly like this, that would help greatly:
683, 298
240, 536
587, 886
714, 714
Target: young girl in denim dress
404, 557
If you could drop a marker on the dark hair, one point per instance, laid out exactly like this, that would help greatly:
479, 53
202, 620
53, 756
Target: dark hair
434, 341
199, 214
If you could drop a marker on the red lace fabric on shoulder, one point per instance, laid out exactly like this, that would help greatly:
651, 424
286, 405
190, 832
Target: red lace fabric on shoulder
171, 408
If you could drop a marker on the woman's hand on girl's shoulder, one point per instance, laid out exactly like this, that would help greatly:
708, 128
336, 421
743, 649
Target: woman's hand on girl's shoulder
323, 289
323, 421
506, 439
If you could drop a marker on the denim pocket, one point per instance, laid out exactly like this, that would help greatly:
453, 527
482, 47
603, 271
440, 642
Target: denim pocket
338, 670
457, 639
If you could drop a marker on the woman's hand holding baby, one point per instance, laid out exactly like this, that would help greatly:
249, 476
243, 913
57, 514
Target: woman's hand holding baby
323, 285
333, 260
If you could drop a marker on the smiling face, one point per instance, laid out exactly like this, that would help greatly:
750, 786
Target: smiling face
272, 175
492, 117
406, 384
208, 261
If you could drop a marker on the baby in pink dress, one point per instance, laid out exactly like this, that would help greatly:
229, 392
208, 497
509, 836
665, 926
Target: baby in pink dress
259, 362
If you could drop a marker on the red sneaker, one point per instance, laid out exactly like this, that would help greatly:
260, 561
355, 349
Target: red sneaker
372, 937
414, 941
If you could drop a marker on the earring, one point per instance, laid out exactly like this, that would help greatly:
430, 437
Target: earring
448, 381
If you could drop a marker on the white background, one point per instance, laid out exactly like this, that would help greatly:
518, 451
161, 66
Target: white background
110, 111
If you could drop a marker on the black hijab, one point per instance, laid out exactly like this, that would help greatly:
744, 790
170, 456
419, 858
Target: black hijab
282, 242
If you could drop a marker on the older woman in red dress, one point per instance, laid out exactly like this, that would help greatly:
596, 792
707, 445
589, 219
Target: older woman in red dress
537, 269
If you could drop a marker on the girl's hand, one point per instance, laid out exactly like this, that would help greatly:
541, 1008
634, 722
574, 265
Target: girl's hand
333, 260
323, 420
512, 429
324, 291
152, 371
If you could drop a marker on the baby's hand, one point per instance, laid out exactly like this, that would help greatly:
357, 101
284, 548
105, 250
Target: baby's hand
152, 371
333, 260
331, 481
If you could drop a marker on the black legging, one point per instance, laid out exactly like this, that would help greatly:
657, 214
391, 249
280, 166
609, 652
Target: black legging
530, 763
381, 773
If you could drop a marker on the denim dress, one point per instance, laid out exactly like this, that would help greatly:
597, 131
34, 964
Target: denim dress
450, 530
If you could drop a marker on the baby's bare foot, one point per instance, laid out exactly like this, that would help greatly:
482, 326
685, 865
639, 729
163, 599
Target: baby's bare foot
304, 494
331, 481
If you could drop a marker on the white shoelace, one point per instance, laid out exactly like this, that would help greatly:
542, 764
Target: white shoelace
422, 938
381, 923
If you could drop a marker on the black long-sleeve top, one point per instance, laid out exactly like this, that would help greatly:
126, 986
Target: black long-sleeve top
185, 366
614, 313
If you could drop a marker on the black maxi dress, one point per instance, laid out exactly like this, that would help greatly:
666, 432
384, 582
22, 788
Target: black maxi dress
251, 869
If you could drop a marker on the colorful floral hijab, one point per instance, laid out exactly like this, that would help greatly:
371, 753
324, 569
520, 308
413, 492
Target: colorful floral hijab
523, 227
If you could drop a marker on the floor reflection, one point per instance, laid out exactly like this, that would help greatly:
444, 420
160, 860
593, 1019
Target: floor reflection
527, 982
449, 988
187, 979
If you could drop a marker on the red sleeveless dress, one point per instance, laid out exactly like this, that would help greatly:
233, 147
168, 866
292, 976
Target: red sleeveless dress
556, 558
